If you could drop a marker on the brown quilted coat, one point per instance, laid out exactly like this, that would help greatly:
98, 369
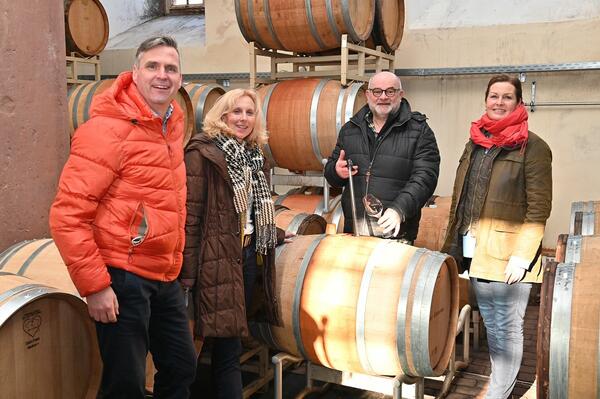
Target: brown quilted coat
213, 249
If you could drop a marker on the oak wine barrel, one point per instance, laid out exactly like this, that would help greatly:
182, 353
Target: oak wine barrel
80, 97
304, 117
329, 290
585, 218
304, 26
48, 342
574, 358
297, 222
388, 27
86, 27
314, 203
202, 97
433, 223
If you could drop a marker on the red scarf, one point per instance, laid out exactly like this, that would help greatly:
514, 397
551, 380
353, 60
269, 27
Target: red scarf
510, 131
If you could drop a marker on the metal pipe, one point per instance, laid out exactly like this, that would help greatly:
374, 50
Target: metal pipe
352, 200
278, 374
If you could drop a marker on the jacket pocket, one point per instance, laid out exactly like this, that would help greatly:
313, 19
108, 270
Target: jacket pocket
139, 227
502, 239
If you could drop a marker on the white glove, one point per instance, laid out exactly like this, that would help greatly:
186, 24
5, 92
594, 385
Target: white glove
515, 270
390, 221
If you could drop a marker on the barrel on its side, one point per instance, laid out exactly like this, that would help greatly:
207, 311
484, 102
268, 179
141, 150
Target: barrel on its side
388, 28
585, 218
48, 342
202, 97
304, 26
304, 117
574, 363
297, 222
433, 224
86, 27
314, 203
79, 102
330, 290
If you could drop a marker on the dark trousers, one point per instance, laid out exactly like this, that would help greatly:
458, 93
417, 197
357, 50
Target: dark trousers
226, 374
152, 316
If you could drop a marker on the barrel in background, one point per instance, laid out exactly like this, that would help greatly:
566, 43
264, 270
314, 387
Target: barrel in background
298, 222
314, 203
433, 223
48, 342
80, 98
388, 27
304, 117
202, 97
304, 26
86, 27
329, 290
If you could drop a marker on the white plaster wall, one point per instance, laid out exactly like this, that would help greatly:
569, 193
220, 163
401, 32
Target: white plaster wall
425, 14
124, 14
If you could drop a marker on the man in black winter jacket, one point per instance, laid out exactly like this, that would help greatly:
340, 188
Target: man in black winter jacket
395, 158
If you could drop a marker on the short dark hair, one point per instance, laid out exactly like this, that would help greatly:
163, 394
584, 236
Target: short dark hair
153, 42
505, 78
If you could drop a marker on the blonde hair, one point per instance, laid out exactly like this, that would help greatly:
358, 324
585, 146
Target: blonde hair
213, 121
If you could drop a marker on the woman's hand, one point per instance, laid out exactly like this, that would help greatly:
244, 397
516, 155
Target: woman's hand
515, 270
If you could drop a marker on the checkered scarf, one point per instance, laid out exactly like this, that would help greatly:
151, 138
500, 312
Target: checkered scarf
245, 170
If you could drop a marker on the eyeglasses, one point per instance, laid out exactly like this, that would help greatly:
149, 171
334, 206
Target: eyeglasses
389, 92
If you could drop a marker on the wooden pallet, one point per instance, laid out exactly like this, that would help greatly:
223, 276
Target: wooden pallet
74, 63
350, 65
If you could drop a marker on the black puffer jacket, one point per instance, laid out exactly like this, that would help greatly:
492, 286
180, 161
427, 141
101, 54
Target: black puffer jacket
404, 165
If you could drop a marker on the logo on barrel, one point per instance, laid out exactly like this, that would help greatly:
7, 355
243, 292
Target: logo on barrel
32, 323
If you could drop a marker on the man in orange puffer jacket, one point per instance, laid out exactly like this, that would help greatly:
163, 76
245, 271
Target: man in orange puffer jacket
118, 221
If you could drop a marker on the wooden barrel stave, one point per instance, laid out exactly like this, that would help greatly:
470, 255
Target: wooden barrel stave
36, 323
202, 97
357, 328
80, 98
433, 224
86, 27
304, 26
543, 330
320, 108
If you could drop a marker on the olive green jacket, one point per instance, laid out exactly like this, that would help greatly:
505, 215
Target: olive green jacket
514, 212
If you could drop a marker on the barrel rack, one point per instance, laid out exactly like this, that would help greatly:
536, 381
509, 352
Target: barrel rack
74, 63
400, 386
349, 65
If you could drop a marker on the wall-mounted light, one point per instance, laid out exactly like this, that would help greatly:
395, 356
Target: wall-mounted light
223, 82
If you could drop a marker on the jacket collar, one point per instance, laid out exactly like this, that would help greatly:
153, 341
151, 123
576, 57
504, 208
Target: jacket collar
204, 144
401, 116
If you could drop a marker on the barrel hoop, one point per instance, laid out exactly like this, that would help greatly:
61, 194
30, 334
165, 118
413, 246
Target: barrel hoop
311, 24
348, 22
354, 89
262, 331
267, 11
419, 326
560, 330
240, 21
280, 199
321, 207
200, 106
266, 148
88, 100
402, 305
9, 252
298, 293
331, 19
33, 256
258, 39
338, 111
76, 107
573, 252
278, 250
361, 305
314, 107
296, 222
20, 296
337, 215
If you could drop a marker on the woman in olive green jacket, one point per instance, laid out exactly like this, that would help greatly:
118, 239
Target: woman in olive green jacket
501, 200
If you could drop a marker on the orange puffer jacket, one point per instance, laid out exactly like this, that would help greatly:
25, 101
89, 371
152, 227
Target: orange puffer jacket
121, 196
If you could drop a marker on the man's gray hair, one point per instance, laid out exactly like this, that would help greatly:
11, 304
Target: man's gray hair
385, 73
153, 42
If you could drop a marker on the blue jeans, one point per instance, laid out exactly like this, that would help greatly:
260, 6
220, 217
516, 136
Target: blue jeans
152, 316
503, 307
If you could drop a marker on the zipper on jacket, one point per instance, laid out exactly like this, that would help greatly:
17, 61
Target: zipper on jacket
486, 151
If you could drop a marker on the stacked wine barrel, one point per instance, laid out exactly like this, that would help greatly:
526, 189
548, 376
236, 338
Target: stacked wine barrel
310, 27
568, 343
86, 27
